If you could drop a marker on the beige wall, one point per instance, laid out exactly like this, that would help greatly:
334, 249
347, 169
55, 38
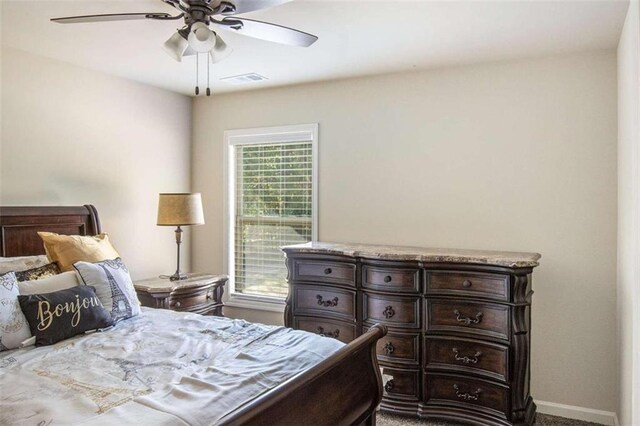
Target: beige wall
71, 136
514, 156
629, 218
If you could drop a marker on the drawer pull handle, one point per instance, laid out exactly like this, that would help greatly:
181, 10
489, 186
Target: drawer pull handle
335, 334
389, 348
178, 304
388, 312
466, 284
467, 320
466, 395
327, 303
327, 271
389, 385
387, 279
466, 359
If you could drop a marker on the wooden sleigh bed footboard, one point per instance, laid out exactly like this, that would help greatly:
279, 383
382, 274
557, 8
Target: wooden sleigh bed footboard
344, 389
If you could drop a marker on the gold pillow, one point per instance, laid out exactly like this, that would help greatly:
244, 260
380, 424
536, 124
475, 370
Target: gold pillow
66, 250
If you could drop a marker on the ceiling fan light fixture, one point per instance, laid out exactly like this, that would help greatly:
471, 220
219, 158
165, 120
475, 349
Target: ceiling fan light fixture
201, 38
176, 46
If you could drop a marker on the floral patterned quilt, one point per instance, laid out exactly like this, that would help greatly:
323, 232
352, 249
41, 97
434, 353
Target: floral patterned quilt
161, 367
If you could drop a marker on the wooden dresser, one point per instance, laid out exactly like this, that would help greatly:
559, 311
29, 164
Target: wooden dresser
459, 323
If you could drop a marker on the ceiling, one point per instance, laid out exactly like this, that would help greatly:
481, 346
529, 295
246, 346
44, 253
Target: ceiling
356, 37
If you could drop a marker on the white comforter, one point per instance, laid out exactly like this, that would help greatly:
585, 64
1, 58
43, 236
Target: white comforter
161, 367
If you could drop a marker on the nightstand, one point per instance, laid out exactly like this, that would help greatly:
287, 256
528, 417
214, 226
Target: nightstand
199, 293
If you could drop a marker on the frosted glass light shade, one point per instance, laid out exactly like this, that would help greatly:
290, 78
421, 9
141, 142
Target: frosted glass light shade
201, 38
180, 209
176, 46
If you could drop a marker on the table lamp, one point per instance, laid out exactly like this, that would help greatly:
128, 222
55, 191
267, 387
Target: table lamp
180, 210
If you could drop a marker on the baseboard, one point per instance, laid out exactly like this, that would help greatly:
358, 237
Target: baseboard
578, 413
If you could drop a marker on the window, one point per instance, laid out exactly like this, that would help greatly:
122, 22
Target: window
271, 202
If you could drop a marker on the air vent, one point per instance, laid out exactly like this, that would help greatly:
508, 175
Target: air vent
244, 78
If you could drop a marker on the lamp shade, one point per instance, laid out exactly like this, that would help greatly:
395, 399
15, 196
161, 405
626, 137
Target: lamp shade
180, 209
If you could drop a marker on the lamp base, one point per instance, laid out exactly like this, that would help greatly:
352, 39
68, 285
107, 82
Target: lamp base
178, 276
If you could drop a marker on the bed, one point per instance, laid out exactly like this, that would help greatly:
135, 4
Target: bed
141, 372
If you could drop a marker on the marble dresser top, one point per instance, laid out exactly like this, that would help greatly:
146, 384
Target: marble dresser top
382, 252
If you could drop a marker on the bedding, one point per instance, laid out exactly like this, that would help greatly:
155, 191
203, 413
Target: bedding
46, 271
66, 250
161, 367
113, 286
21, 263
58, 282
14, 328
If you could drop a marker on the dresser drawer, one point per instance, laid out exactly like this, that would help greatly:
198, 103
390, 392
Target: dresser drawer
342, 331
391, 279
467, 355
399, 348
485, 319
324, 271
466, 392
475, 284
394, 311
324, 302
401, 383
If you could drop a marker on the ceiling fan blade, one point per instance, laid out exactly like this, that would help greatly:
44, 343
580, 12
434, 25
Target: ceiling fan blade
269, 32
110, 17
220, 51
244, 6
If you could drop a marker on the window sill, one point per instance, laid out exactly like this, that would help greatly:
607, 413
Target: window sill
271, 304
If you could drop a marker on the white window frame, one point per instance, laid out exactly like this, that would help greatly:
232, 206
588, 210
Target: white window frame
263, 135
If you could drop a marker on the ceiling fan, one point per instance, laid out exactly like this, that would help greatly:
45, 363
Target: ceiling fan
197, 37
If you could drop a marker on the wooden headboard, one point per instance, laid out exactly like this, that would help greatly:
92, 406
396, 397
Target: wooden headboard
19, 226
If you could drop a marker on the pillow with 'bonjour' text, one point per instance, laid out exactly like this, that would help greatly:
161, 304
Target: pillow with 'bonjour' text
63, 314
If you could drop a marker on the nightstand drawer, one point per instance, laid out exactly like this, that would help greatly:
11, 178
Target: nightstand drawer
199, 293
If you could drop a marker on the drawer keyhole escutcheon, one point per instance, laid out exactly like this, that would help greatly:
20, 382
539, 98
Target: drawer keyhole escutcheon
388, 312
323, 333
473, 396
327, 303
389, 348
327, 271
466, 284
387, 279
389, 385
466, 359
468, 320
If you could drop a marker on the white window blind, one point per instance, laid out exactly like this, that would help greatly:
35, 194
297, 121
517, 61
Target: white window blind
273, 207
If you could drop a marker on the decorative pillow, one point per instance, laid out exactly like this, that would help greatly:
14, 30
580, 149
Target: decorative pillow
66, 250
21, 263
14, 328
58, 282
62, 314
38, 273
113, 286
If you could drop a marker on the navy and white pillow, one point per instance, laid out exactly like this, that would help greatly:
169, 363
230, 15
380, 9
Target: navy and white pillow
14, 328
113, 286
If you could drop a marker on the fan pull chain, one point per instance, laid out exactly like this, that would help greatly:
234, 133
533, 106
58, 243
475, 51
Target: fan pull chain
208, 73
197, 71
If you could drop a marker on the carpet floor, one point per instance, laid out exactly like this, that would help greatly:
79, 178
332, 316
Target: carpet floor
541, 420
